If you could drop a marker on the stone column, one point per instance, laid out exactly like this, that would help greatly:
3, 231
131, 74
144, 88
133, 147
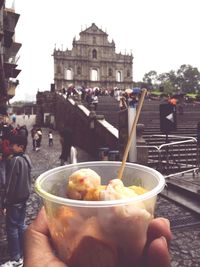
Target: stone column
133, 149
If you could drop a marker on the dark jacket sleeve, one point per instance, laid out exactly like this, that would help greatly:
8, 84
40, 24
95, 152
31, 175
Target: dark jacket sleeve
18, 181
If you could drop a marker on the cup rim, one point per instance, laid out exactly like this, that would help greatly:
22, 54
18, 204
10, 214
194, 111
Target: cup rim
102, 203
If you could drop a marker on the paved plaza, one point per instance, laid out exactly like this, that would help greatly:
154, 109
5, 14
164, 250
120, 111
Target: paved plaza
42, 160
185, 246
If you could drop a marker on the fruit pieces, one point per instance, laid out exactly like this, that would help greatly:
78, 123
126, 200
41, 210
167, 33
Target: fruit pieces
81, 181
85, 184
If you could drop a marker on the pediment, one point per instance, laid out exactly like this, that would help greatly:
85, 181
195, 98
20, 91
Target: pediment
93, 29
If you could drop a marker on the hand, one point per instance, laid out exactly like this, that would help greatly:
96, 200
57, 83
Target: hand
38, 251
158, 239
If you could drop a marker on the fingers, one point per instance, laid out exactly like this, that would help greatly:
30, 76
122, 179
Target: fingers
158, 254
40, 223
37, 246
158, 239
38, 250
157, 228
36, 242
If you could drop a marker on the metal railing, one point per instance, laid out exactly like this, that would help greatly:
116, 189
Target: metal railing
175, 155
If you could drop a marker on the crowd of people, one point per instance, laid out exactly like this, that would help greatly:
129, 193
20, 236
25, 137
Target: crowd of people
90, 95
126, 98
8, 130
85, 91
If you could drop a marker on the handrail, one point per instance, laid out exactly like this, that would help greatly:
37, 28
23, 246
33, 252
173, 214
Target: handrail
167, 144
177, 143
174, 136
183, 172
168, 159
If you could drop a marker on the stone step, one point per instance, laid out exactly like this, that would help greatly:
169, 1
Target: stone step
183, 192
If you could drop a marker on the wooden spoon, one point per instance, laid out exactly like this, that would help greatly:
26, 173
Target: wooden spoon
121, 169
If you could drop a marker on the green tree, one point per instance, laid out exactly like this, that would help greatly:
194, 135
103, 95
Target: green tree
168, 87
150, 78
188, 79
185, 79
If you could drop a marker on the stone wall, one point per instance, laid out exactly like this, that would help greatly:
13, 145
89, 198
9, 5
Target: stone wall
88, 133
71, 116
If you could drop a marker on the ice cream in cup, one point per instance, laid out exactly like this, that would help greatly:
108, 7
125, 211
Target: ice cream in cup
95, 219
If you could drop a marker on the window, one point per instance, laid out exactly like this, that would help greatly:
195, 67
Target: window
58, 69
94, 75
94, 40
79, 70
94, 53
110, 72
119, 76
128, 73
68, 74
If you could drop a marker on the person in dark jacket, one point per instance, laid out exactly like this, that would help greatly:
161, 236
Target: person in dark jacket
18, 186
66, 143
23, 131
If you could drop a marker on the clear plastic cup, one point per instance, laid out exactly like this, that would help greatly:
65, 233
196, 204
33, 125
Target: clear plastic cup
100, 233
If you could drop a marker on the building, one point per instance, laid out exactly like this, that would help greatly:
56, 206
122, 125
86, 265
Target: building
92, 62
8, 53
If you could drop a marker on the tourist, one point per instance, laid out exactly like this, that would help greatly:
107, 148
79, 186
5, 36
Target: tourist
39, 139
50, 135
95, 101
23, 130
33, 135
6, 130
66, 143
14, 118
2, 156
173, 101
123, 102
18, 186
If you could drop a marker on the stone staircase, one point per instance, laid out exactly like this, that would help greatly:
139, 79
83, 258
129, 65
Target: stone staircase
180, 156
187, 121
109, 107
150, 117
176, 157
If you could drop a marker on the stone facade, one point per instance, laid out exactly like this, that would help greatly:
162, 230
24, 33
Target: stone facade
92, 62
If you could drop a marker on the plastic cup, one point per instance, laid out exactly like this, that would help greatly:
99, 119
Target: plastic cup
100, 233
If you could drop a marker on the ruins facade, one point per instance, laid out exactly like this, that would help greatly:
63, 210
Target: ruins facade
92, 62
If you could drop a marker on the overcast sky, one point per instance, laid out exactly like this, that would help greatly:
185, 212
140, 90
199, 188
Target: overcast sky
162, 34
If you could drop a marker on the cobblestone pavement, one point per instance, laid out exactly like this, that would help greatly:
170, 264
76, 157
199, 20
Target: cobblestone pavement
185, 246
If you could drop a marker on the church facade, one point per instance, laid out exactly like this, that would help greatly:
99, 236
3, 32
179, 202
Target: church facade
92, 62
